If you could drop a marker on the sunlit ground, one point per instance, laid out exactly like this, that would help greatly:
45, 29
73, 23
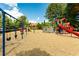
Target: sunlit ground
40, 43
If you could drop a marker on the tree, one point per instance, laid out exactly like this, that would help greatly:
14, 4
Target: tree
71, 13
55, 10
43, 24
16, 23
39, 25
23, 20
8, 23
11, 23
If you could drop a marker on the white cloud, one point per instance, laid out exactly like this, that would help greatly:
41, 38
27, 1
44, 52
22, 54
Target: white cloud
11, 4
14, 11
46, 20
37, 18
32, 21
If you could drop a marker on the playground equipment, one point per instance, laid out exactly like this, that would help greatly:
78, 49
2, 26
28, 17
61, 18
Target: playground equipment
22, 29
3, 30
48, 29
7, 29
67, 27
69, 30
15, 32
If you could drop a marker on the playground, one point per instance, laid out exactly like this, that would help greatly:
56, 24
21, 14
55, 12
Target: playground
59, 36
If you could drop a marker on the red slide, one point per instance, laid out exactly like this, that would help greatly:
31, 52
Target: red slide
69, 30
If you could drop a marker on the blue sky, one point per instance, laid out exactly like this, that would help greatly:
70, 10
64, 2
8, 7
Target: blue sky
33, 11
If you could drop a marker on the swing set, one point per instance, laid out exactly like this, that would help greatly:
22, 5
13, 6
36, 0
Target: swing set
4, 30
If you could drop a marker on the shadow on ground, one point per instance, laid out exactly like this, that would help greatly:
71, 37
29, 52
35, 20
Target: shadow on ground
33, 52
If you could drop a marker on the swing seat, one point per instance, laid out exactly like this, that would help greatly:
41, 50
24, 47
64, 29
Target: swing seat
8, 39
15, 36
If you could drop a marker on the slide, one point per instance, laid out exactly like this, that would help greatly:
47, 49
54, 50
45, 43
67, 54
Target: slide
69, 30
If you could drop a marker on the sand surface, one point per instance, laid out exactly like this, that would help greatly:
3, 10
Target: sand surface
51, 43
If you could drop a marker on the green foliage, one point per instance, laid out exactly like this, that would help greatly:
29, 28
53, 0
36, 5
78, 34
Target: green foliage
8, 22
24, 20
47, 24
16, 24
43, 24
11, 23
39, 26
55, 10
59, 17
71, 11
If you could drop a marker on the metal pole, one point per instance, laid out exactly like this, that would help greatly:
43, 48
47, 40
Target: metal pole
3, 30
3, 34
